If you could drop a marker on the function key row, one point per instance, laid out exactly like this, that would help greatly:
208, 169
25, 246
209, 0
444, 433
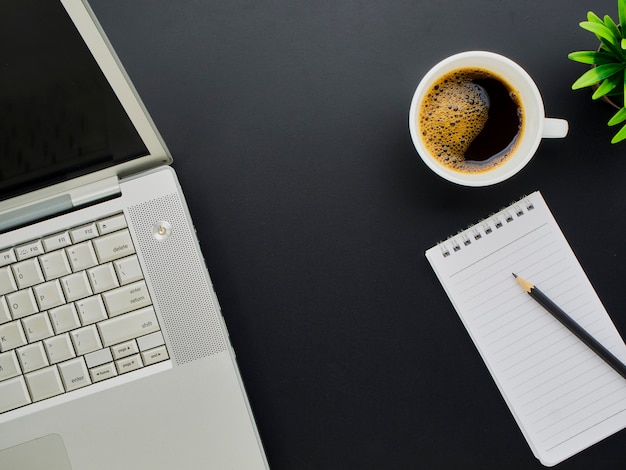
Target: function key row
62, 240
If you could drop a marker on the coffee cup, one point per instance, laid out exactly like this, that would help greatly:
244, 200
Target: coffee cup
477, 118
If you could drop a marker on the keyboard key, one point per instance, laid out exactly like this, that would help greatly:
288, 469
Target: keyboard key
128, 326
32, 357
124, 349
114, 246
60, 240
29, 250
91, 310
7, 257
76, 286
74, 374
150, 341
152, 356
37, 327
102, 278
129, 364
112, 224
9, 367
49, 295
81, 256
13, 394
84, 233
44, 383
5, 313
27, 273
99, 357
64, 318
22, 303
128, 270
11, 336
55, 264
59, 348
86, 340
126, 298
7, 281
103, 372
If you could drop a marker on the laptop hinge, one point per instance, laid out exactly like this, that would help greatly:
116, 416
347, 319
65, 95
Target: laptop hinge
94, 192
83, 195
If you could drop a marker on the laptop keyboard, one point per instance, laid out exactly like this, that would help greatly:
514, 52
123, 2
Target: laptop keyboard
74, 311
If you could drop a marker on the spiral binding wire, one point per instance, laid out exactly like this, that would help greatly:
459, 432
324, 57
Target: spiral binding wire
486, 226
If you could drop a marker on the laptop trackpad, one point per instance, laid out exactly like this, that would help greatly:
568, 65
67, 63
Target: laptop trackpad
45, 453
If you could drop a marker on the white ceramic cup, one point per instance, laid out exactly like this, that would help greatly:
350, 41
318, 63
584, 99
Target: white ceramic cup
536, 126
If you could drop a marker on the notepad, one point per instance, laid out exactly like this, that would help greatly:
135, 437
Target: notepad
563, 396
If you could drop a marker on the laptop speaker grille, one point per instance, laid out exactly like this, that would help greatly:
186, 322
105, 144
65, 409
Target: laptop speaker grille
181, 291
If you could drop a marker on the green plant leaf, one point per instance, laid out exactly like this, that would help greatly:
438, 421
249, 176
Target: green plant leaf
623, 43
608, 85
617, 91
592, 17
591, 57
621, 135
619, 116
609, 42
600, 30
596, 75
609, 23
616, 51
621, 12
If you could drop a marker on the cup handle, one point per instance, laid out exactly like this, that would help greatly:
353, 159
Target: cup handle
554, 128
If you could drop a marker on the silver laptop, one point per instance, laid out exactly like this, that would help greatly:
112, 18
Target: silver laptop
113, 350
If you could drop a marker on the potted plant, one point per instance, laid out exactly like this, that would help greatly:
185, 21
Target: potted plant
608, 72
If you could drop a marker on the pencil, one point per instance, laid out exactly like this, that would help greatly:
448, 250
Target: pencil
571, 325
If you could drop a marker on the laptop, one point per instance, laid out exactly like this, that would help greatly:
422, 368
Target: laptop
113, 350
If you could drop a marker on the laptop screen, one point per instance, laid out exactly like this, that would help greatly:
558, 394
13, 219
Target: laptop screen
59, 118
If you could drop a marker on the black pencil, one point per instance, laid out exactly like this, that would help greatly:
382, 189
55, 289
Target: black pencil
574, 327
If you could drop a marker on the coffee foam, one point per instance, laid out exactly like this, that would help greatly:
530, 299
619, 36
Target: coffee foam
453, 113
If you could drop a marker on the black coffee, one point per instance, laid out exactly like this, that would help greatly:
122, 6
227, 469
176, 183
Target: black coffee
471, 120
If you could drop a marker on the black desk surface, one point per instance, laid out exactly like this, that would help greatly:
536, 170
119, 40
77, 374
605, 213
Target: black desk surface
287, 120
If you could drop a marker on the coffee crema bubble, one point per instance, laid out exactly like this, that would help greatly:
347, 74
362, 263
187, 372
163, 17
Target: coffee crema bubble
471, 120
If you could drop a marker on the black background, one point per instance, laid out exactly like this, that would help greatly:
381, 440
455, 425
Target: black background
287, 120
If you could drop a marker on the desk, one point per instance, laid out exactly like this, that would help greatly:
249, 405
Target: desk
287, 120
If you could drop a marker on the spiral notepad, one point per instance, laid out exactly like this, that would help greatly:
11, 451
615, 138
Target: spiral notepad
562, 395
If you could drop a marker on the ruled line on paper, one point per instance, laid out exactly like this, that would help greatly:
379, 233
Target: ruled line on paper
516, 315
522, 320
492, 253
491, 278
553, 378
536, 340
560, 398
528, 366
591, 413
582, 431
521, 339
499, 260
524, 381
550, 387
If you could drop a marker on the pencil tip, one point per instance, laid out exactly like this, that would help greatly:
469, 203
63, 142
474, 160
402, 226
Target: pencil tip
527, 286
514, 275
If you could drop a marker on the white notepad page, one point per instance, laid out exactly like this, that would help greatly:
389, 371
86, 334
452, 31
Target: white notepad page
562, 395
